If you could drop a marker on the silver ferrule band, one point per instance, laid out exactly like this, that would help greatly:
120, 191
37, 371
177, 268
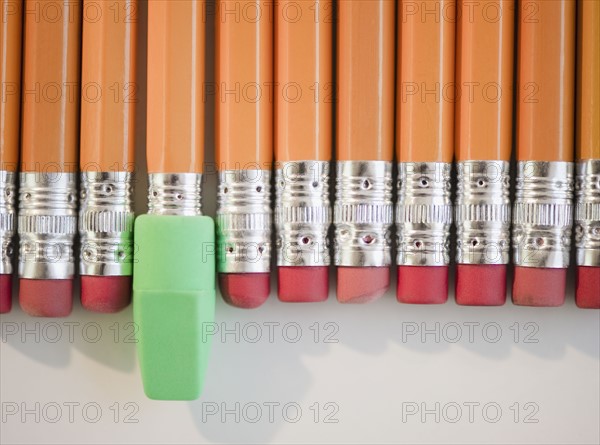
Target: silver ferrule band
424, 213
178, 194
587, 213
302, 213
106, 224
8, 192
363, 214
244, 221
543, 214
482, 212
47, 225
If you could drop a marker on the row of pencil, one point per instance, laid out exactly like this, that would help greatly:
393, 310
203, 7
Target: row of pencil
434, 78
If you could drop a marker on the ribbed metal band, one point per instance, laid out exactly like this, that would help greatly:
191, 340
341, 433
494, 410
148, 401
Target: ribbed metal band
587, 213
175, 194
8, 192
363, 213
543, 214
482, 212
302, 213
106, 224
424, 213
47, 225
244, 221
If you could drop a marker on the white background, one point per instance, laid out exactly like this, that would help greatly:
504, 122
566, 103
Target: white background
354, 383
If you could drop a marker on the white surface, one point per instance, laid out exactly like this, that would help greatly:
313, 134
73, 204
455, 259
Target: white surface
365, 380
371, 376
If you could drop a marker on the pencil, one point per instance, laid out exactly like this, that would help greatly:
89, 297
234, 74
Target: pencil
587, 188
10, 120
424, 148
174, 269
47, 222
363, 212
303, 143
484, 77
107, 155
542, 213
244, 149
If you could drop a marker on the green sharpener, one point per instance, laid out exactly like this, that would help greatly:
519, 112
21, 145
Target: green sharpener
173, 299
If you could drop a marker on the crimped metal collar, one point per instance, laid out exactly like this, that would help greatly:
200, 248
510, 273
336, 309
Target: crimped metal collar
363, 213
244, 221
424, 213
47, 225
543, 214
302, 213
106, 223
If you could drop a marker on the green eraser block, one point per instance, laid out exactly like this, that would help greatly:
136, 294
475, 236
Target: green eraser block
173, 298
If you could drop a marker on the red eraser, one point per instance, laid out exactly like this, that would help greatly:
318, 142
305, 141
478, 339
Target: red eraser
587, 295
307, 284
46, 298
362, 284
422, 284
481, 284
107, 294
536, 286
5, 293
245, 290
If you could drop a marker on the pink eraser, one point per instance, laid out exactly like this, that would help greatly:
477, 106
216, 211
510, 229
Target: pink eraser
481, 284
362, 284
46, 298
536, 286
5, 293
303, 284
245, 290
422, 284
105, 294
587, 295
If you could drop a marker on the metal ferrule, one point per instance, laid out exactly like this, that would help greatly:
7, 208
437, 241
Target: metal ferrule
482, 212
106, 224
8, 192
178, 194
587, 213
302, 213
363, 214
244, 221
47, 225
424, 213
543, 214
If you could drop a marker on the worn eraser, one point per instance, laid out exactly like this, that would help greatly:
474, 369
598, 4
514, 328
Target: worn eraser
587, 294
245, 290
105, 294
173, 302
422, 284
5, 293
46, 298
303, 284
361, 284
481, 284
536, 286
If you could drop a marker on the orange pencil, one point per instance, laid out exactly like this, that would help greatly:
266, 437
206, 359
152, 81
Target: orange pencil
424, 146
587, 188
244, 146
363, 212
174, 268
303, 119
47, 222
106, 154
10, 76
542, 213
484, 77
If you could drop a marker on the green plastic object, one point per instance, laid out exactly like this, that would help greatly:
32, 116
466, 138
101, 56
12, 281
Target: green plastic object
173, 298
